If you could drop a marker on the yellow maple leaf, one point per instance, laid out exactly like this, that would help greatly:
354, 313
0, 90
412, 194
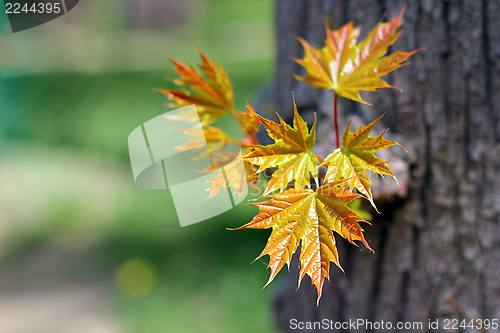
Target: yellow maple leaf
232, 173
309, 217
351, 161
291, 153
348, 67
249, 121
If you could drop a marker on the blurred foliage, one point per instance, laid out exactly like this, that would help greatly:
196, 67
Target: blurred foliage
67, 174
97, 111
200, 268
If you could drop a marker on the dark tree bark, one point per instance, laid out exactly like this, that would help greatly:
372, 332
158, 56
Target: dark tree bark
439, 232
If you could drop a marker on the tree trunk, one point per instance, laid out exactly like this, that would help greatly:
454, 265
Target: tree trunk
437, 240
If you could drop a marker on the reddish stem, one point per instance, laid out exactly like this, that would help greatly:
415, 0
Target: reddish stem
335, 123
319, 158
254, 139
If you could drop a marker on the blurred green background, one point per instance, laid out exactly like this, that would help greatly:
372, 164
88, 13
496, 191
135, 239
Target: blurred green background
82, 248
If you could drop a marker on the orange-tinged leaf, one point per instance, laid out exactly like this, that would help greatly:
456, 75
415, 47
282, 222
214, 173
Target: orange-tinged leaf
206, 148
187, 116
237, 172
211, 134
212, 94
252, 175
309, 217
231, 173
356, 156
235, 181
348, 67
210, 140
291, 153
218, 183
221, 160
249, 121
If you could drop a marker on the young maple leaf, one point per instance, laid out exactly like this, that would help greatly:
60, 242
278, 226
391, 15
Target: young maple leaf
209, 134
310, 217
249, 121
356, 156
213, 95
232, 173
209, 140
291, 153
348, 67
212, 143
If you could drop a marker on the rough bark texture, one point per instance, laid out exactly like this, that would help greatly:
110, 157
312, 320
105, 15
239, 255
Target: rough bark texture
440, 232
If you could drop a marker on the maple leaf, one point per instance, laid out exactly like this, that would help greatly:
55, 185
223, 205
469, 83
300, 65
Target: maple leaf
206, 149
249, 121
212, 95
210, 140
252, 175
356, 156
210, 134
232, 172
291, 153
309, 217
222, 159
348, 67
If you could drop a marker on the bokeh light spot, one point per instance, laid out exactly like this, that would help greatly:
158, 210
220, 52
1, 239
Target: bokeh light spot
135, 278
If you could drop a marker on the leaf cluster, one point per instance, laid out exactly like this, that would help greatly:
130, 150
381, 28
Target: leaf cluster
210, 90
300, 205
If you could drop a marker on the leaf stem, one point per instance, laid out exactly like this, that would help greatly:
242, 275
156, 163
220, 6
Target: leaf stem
335, 122
233, 112
254, 139
319, 158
